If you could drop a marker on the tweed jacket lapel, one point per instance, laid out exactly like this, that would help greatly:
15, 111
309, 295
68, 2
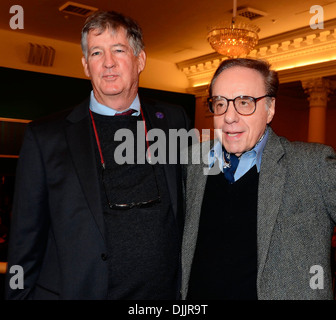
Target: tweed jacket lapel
196, 177
81, 145
271, 184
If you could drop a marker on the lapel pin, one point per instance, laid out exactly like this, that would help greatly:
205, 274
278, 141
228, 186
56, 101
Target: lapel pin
159, 115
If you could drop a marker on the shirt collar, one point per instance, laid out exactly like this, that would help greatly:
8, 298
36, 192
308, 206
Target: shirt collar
259, 148
216, 153
99, 108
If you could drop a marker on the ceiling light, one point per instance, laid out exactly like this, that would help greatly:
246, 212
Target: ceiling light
234, 39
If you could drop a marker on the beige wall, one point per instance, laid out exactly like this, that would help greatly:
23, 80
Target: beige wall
15, 44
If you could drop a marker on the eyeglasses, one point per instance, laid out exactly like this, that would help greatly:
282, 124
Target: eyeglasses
127, 206
244, 105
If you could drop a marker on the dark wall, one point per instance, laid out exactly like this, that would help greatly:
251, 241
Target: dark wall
30, 95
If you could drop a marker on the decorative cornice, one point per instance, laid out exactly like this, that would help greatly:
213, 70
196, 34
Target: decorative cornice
323, 69
297, 51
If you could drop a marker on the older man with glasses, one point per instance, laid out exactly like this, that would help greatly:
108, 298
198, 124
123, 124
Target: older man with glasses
259, 220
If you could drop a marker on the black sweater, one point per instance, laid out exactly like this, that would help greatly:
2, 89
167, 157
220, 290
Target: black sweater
225, 261
142, 243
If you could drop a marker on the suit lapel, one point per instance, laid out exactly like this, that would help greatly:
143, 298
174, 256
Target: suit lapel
81, 145
271, 185
156, 117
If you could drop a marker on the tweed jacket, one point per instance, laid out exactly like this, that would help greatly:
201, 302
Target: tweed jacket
295, 218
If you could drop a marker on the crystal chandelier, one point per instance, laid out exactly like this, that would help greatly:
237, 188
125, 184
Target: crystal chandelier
234, 39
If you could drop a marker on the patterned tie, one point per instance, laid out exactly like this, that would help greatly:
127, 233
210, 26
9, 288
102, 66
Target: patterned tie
230, 167
126, 113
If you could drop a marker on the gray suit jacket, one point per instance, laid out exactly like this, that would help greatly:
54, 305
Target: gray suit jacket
296, 216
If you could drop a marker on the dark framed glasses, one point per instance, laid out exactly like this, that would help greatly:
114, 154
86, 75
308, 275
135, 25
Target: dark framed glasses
244, 105
130, 205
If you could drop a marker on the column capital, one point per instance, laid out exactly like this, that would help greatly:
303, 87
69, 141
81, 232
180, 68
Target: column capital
318, 90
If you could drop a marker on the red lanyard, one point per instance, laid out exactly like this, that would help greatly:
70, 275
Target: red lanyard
98, 142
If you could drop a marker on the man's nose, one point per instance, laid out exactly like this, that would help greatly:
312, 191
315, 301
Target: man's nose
110, 60
231, 115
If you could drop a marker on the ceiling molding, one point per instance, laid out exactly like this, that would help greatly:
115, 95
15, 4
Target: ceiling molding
304, 73
293, 54
318, 70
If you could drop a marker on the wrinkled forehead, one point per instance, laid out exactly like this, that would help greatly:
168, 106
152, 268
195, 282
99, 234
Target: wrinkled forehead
239, 78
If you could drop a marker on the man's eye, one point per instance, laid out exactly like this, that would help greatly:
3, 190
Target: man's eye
95, 53
219, 104
245, 103
119, 50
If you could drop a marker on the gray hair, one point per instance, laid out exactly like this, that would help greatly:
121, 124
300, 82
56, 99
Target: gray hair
102, 20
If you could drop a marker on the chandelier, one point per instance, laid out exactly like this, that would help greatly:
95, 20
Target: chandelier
235, 38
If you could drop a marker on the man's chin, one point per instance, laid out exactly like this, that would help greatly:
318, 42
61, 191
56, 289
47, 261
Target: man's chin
235, 150
112, 91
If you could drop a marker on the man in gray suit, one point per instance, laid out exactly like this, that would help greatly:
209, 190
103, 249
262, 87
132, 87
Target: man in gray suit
261, 212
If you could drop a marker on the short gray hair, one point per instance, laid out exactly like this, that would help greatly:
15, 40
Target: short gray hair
102, 20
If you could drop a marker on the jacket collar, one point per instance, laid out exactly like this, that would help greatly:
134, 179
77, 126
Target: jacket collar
81, 145
271, 185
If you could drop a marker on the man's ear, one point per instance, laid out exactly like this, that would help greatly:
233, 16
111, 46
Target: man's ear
86, 67
271, 111
141, 61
